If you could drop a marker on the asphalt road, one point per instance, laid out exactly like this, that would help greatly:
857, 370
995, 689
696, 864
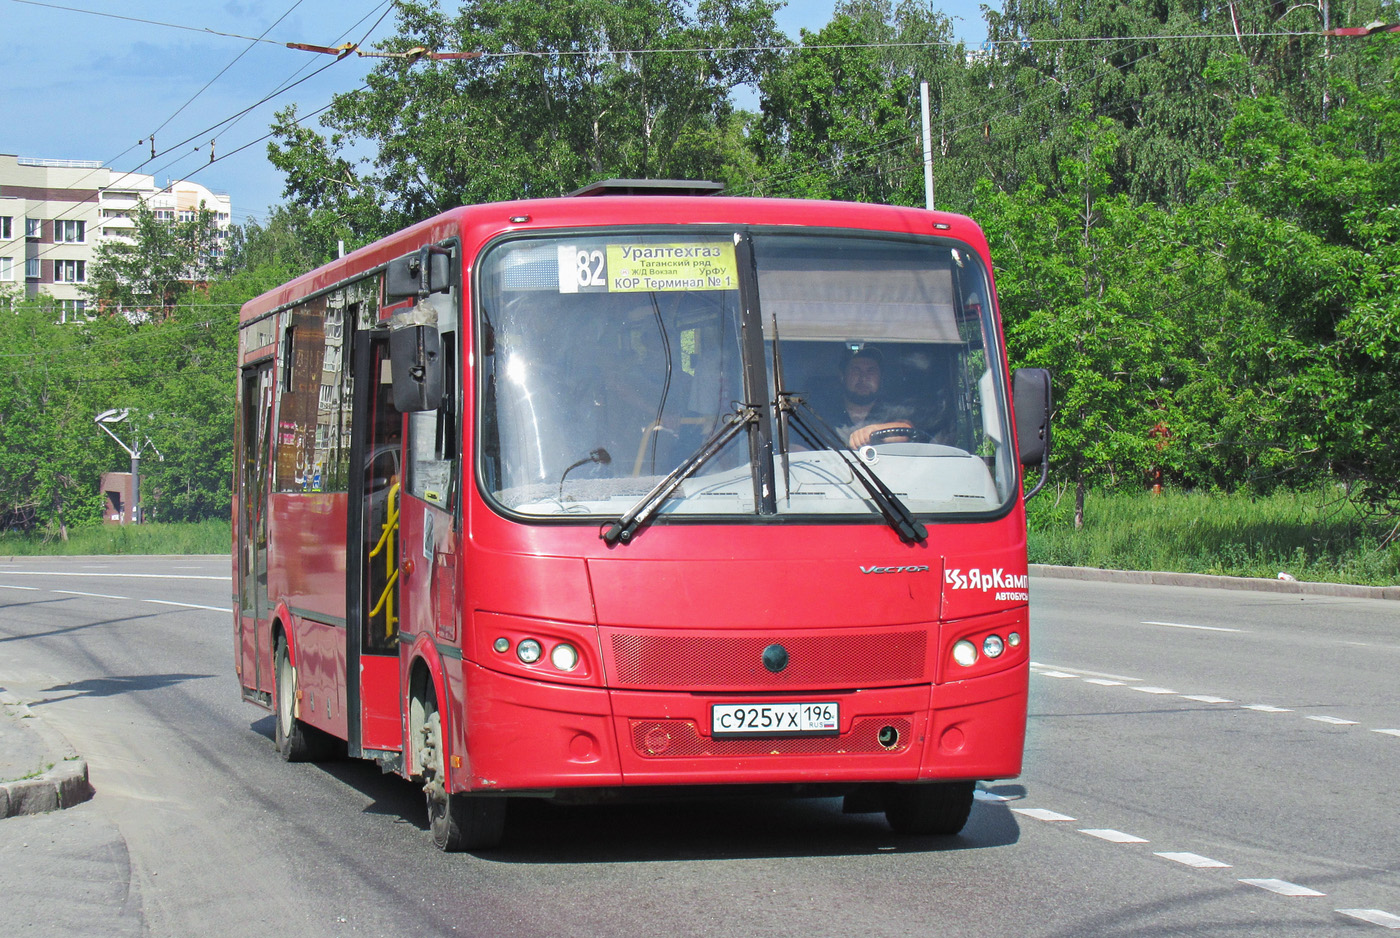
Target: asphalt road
1199, 762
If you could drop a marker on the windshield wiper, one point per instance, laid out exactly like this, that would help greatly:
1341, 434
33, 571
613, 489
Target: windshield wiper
819, 433
639, 514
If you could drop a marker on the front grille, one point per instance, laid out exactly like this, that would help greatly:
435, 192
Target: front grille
731, 662
660, 739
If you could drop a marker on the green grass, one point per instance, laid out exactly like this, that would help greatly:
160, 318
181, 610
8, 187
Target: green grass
1312, 536
203, 537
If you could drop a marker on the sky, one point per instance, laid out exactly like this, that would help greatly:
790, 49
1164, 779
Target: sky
80, 86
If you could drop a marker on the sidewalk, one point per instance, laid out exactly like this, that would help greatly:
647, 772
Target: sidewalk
39, 771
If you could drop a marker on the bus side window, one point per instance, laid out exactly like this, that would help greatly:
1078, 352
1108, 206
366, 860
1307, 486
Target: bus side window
432, 441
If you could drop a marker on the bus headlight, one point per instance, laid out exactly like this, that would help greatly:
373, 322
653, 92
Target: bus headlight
1013, 639
965, 653
993, 646
564, 657
528, 651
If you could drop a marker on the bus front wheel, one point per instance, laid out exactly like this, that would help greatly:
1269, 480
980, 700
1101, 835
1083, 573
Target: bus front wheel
458, 821
936, 809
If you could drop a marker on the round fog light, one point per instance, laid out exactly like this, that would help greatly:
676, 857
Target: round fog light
528, 651
965, 653
1013, 639
993, 646
564, 657
502, 645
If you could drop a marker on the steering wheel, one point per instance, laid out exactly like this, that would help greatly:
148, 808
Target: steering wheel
888, 434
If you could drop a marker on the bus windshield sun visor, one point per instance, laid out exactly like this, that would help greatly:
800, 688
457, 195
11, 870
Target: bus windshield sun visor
623, 528
818, 433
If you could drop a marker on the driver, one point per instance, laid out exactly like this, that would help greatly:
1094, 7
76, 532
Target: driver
865, 412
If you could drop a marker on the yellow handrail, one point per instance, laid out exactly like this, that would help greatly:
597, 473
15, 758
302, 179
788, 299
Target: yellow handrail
391, 567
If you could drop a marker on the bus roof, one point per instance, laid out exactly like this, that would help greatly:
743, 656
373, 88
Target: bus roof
475, 224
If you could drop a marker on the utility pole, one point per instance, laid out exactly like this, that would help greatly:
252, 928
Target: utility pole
928, 147
134, 451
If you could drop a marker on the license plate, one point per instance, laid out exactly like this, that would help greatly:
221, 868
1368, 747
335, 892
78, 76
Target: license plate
776, 719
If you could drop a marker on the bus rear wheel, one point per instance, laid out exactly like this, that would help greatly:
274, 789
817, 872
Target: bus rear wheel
935, 809
458, 821
296, 741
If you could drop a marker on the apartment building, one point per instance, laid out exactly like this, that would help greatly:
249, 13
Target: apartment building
54, 213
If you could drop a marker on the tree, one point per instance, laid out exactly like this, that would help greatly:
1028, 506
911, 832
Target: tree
147, 273
563, 94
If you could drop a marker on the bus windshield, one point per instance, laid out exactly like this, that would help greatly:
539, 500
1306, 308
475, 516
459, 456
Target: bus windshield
608, 360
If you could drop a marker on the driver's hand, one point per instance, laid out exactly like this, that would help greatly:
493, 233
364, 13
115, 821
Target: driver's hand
861, 435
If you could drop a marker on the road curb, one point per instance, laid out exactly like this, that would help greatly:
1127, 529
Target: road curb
1210, 581
62, 786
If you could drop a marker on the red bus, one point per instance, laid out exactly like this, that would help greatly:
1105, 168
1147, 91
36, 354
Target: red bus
631, 492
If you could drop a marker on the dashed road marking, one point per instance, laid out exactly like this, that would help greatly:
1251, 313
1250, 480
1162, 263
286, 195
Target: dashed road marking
1388, 732
1207, 698
6, 586
1203, 628
1335, 721
1374, 916
1265, 708
1103, 682
981, 795
166, 602
1113, 836
1283, 887
1195, 860
1041, 814
1059, 674
1155, 690
95, 595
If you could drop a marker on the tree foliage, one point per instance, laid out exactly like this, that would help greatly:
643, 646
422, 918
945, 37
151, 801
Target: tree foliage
148, 272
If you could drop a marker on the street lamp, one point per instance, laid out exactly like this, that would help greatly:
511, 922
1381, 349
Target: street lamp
134, 451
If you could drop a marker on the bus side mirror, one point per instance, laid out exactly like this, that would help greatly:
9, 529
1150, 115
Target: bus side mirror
415, 364
1030, 392
427, 270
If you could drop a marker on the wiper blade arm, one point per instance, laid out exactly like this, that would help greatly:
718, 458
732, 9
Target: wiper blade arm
817, 431
639, 514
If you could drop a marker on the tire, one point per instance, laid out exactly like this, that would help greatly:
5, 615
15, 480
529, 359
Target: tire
296, 741
458, 821
939, 809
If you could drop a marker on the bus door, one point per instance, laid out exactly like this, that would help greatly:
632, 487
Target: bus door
374, 554
253, 478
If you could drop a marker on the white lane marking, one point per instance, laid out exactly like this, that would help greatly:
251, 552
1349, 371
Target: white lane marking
1265, 708
166, 602
1102, 682
1203, 628
97, 595
1282, 887
34, 589
1194, 859
1374, 916
124, 576
1060, 667
1153, 690
1207, 698
981, 795
1113, 836
1041, 814
1388, 732
1059, 674
1335, 721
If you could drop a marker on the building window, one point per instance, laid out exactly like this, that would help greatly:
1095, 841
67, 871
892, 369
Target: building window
33, 228
164, 214
31, 268
7, 268
7, 227
72, 310
69, 231
70, 271
186, 215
